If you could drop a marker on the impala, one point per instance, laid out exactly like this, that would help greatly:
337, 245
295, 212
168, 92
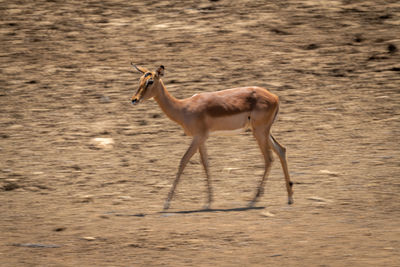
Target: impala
225, 110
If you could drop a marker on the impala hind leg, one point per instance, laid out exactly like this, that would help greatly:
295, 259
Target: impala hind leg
204, 161
281, 152
266, 151
194, 146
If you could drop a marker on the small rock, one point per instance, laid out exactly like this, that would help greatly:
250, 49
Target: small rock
392, 48
83, 198
267, 214
134, 245
332, 108
161, 248
358, 38
10, 186
125, 197
76, 167
143, 122
312, 46
89, 238
31, 188
102, 143
105, 99
229, 170
318, 199
388, 248
331, 173
4, 136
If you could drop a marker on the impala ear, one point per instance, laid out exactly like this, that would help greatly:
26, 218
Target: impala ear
160, 71
140, 69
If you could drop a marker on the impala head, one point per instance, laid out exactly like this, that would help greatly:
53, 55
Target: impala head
148, 84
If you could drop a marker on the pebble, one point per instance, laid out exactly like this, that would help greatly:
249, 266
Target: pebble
267, 214
318, 199
229, 170
103, 143
89, 238
329, 172
125, 197
83, 198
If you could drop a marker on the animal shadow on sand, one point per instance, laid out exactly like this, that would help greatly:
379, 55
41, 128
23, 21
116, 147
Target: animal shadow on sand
170, 213
211, 210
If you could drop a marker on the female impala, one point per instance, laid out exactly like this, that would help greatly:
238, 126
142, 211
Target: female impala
204, 113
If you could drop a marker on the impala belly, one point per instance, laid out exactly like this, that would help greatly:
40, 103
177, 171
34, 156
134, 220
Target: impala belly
228, 125
228, 132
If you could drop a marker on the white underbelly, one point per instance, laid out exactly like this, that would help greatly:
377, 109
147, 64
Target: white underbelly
228, 132
229, 125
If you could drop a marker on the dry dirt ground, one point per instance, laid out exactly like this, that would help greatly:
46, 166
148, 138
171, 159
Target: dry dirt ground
66, 79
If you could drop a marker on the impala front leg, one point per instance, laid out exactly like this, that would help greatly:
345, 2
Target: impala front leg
185, 159
204, 161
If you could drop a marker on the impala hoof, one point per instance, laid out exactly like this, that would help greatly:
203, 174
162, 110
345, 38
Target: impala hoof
251, 204
166, 206
207, 207
290, 201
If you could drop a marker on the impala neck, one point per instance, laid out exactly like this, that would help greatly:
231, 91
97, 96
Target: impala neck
169, 104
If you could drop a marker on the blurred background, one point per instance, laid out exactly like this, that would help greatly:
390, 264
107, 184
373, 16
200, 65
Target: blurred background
83, 173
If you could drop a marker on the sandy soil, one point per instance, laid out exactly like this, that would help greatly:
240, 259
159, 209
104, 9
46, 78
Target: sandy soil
65, 80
